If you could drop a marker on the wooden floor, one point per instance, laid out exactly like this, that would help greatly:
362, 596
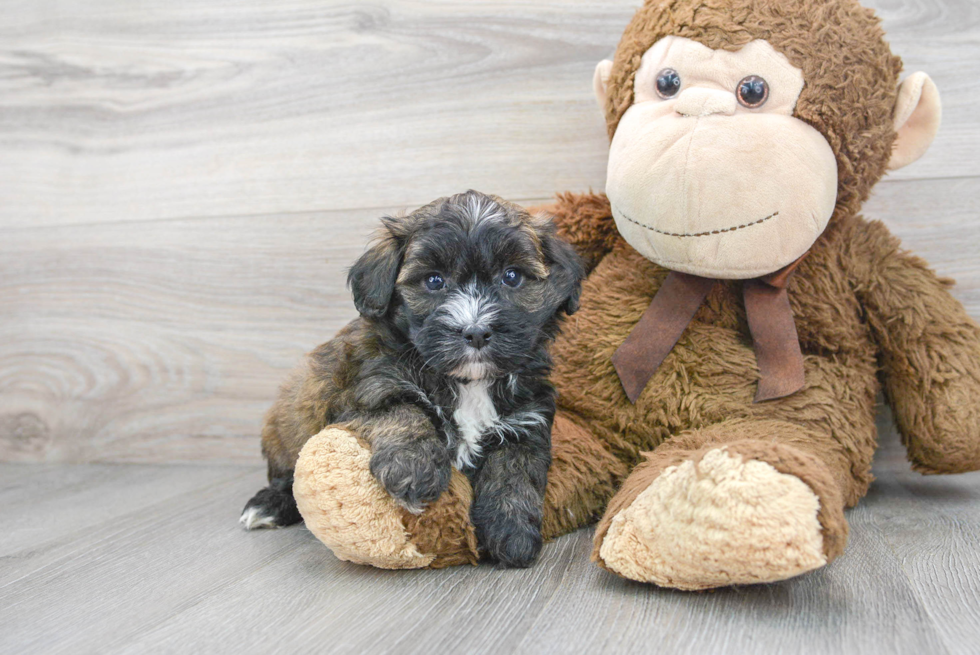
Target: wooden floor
182, 186
136, 558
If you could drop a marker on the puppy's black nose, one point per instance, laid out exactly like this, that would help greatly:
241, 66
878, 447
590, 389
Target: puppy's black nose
477, 336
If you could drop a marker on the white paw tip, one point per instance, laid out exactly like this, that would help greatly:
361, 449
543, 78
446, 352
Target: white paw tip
253, 519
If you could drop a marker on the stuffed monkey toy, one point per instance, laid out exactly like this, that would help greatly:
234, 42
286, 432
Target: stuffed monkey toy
717, 386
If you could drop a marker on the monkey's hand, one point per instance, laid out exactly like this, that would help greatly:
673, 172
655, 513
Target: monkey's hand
347, 509
930, 352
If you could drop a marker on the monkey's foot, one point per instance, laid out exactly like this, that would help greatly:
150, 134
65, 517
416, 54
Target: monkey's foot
348, 510
715, 520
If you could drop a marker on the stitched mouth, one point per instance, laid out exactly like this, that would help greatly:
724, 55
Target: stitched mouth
698, 234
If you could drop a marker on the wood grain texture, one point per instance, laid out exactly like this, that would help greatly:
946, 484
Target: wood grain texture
49, 510
177, 574
163, 341
182, 186
36, 512
116, 111
243, 129
101, 585
174, 178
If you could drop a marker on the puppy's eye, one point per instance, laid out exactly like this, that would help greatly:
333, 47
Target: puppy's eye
512, 278
753, 91
434, 282
668, 83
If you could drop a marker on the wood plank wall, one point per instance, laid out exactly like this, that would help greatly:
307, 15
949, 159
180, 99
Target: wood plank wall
182, 185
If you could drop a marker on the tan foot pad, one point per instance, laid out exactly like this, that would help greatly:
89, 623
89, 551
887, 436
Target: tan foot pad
721, 522
345, 507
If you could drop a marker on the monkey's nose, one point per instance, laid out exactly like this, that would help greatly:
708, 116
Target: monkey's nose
477, 336
704, 102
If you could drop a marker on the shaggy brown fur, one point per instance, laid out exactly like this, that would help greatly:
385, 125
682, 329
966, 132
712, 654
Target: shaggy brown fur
869, 315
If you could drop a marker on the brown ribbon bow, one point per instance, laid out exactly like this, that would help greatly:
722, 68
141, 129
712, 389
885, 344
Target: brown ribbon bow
777, 346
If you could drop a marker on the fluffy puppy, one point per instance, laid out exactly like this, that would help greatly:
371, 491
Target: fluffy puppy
446, 366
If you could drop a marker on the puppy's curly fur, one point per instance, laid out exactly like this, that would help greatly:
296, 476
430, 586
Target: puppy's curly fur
446, 366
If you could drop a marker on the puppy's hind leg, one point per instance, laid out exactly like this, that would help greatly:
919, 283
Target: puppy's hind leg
272, 507
283, 435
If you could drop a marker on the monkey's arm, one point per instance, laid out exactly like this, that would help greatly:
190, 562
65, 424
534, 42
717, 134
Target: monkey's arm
585, 221
930, 352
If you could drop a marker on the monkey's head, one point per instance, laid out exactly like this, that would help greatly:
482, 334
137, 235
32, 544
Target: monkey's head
741, 128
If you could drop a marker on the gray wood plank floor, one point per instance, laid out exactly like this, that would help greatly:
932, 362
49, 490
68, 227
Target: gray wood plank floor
141, 558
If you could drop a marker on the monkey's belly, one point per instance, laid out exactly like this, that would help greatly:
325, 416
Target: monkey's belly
710, 376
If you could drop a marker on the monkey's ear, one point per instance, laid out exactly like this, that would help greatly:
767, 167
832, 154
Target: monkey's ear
599, 81
372, 277
918, 112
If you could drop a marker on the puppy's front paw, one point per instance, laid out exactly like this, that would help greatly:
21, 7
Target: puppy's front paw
512, 543
414, 474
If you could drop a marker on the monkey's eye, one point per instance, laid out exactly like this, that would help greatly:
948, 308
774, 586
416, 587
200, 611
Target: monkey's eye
434, 282
512, 278
753, 91
668, 83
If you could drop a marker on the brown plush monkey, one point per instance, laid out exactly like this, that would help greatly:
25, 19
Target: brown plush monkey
746, 134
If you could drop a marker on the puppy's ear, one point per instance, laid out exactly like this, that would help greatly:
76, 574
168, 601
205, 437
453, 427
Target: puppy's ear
567, 270
372, 277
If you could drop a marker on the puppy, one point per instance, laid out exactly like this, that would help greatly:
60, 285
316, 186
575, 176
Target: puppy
447, 366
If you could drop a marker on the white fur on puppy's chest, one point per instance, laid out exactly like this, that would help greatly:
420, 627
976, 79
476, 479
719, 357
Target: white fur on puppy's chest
474, 413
